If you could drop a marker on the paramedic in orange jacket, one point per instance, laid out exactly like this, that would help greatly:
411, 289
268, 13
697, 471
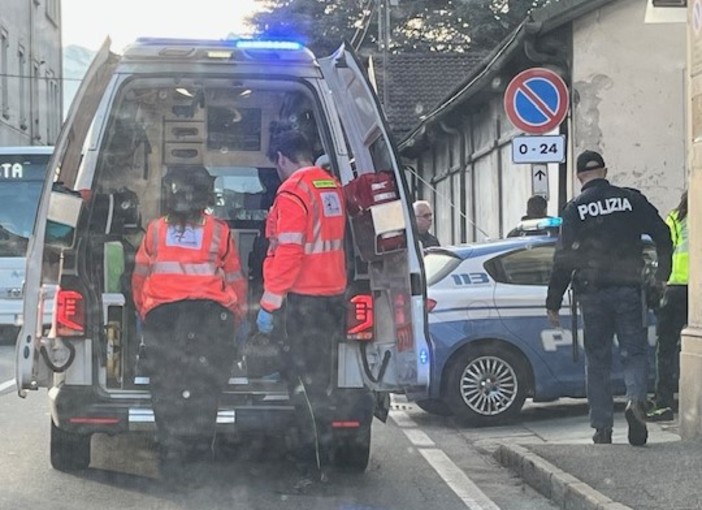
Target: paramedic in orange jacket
190, 292
304, 280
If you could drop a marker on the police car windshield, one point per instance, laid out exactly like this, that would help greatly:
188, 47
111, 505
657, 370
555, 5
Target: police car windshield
438, 264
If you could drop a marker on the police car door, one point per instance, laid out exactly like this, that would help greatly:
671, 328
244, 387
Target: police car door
521, 286
398, 356
31, 369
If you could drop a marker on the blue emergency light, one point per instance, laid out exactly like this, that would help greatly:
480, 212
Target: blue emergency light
423, 356
550, 222
252, 44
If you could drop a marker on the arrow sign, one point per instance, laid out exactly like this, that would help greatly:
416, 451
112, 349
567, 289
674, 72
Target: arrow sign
539, 180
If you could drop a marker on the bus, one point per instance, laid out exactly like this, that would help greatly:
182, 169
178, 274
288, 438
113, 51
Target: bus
22, 176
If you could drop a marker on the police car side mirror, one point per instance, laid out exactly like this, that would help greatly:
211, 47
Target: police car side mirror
62, 218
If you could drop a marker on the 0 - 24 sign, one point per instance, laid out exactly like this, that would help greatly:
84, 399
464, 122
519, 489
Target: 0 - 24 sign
538, 149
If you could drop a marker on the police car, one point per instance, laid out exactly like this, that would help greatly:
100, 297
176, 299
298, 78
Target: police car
493, 344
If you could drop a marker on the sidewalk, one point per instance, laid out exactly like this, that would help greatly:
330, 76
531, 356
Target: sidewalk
664, 475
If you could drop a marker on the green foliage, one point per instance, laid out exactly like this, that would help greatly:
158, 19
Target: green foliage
416, 25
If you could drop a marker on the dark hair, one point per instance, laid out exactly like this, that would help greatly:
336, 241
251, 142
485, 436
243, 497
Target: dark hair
536, 206
682, 207
188, 192
292, 144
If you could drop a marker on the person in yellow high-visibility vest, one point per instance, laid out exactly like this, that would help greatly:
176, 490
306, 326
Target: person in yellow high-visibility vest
672, 317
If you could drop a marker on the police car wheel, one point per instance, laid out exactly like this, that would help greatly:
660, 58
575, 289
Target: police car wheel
486, 385
69, 451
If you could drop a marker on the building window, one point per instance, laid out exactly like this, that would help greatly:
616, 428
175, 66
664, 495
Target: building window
22, 73
36, 107
4, 73
49, 114
52, 11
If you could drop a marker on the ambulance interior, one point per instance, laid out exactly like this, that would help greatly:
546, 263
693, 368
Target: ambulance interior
155, 123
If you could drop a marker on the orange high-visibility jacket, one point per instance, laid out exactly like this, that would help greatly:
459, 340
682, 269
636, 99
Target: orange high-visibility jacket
306, 228
199, 262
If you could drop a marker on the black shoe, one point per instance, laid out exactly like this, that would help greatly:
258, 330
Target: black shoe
602, 436
635, 415
660, 414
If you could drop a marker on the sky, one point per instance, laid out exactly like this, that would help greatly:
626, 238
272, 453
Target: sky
87, 22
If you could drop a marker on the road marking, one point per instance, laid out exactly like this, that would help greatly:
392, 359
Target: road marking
457, 480
402, 419
7, 384
419, 438
452, 475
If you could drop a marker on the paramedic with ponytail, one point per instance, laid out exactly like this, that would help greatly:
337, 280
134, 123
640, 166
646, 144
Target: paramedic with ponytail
304, 279
190, 293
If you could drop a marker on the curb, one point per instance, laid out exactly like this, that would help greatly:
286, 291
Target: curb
563, 489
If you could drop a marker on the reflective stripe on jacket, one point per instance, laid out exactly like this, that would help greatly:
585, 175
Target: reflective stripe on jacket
197, 262
678, 231
306, 228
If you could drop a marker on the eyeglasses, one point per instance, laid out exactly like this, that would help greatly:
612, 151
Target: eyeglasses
427, 215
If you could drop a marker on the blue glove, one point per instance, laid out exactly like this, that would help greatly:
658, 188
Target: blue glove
264, 321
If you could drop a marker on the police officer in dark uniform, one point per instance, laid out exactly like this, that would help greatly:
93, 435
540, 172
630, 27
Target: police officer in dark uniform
600, 251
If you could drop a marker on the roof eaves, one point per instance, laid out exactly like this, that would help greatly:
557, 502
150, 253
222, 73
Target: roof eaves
541, 21
475, 80
554, 15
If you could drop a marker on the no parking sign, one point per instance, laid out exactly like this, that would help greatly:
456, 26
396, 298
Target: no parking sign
536, 100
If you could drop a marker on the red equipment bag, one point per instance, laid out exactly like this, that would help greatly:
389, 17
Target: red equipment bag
362, 193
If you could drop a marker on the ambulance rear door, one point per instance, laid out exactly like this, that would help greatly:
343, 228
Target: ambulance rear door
32, 368
397, 358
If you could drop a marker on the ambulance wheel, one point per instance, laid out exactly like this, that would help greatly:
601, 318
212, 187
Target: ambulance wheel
434, 406
69, 451
486, 385
352, 452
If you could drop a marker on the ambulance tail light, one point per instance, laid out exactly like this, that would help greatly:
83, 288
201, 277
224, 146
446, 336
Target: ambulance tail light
70, 313
403, 321
360, 318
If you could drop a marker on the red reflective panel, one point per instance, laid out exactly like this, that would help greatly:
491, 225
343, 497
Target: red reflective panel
360, 317
70, 313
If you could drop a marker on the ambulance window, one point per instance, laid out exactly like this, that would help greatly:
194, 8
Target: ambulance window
381, 154
531, 266
243, 194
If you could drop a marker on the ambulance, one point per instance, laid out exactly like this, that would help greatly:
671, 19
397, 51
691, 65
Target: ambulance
165, 102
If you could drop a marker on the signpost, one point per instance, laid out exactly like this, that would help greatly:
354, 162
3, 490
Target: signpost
536, 100
539, 180
538, 149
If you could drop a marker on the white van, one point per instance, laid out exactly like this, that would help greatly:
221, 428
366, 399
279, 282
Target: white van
22, 176
172, 102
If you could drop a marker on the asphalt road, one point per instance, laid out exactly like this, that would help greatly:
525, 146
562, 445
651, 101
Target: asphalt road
418, 461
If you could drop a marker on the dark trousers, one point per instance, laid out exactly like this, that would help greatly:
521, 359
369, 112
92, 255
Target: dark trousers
672, 318
605, 312
190, 346
313, 327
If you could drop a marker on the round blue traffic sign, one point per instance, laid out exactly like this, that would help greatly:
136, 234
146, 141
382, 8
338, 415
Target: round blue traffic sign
536, 100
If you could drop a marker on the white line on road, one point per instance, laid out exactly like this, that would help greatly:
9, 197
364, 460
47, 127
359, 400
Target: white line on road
470, 494
418, 437
7, 384
403, 420
452, 475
